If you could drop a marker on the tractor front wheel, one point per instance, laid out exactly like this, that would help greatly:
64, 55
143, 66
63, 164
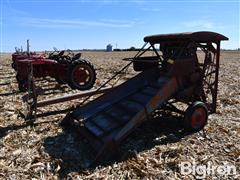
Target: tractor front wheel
22, 83
196, 116
13, 65
22, 86
82, 75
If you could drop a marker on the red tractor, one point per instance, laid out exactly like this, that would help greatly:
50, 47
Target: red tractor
20, 55
65, 66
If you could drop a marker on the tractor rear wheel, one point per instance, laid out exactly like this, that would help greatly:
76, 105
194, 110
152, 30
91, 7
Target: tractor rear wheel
81, 74
196, 116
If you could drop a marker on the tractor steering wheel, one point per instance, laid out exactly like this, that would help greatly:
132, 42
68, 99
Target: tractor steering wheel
53, 53
70, 52
60, 54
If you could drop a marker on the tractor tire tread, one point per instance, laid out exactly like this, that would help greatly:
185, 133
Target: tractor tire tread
71, 67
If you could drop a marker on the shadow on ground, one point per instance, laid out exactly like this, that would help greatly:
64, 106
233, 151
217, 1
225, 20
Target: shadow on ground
76, 154
56, 89
5, 130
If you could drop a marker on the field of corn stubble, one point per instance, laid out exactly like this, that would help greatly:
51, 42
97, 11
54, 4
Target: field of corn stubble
154, 150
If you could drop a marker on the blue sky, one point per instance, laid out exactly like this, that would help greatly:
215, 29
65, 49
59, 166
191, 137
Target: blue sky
77, 24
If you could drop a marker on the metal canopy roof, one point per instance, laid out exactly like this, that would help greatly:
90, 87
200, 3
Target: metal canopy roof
200, 36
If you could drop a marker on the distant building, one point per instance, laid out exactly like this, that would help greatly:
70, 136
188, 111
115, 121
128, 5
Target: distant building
109, 48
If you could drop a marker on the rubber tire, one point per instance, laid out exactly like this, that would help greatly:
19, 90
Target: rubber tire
71, 82
22, 86
188, 116
22, 83
18, 78
13, 65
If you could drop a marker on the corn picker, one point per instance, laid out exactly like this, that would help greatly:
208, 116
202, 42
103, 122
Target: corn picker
173, 69
65, 66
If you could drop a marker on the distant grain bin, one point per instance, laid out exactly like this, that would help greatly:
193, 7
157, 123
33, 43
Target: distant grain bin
109, 48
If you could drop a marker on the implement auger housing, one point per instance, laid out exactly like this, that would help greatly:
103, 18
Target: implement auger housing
174, 68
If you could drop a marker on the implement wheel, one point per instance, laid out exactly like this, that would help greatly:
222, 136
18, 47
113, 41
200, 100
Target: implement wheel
82, 75
196, 116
